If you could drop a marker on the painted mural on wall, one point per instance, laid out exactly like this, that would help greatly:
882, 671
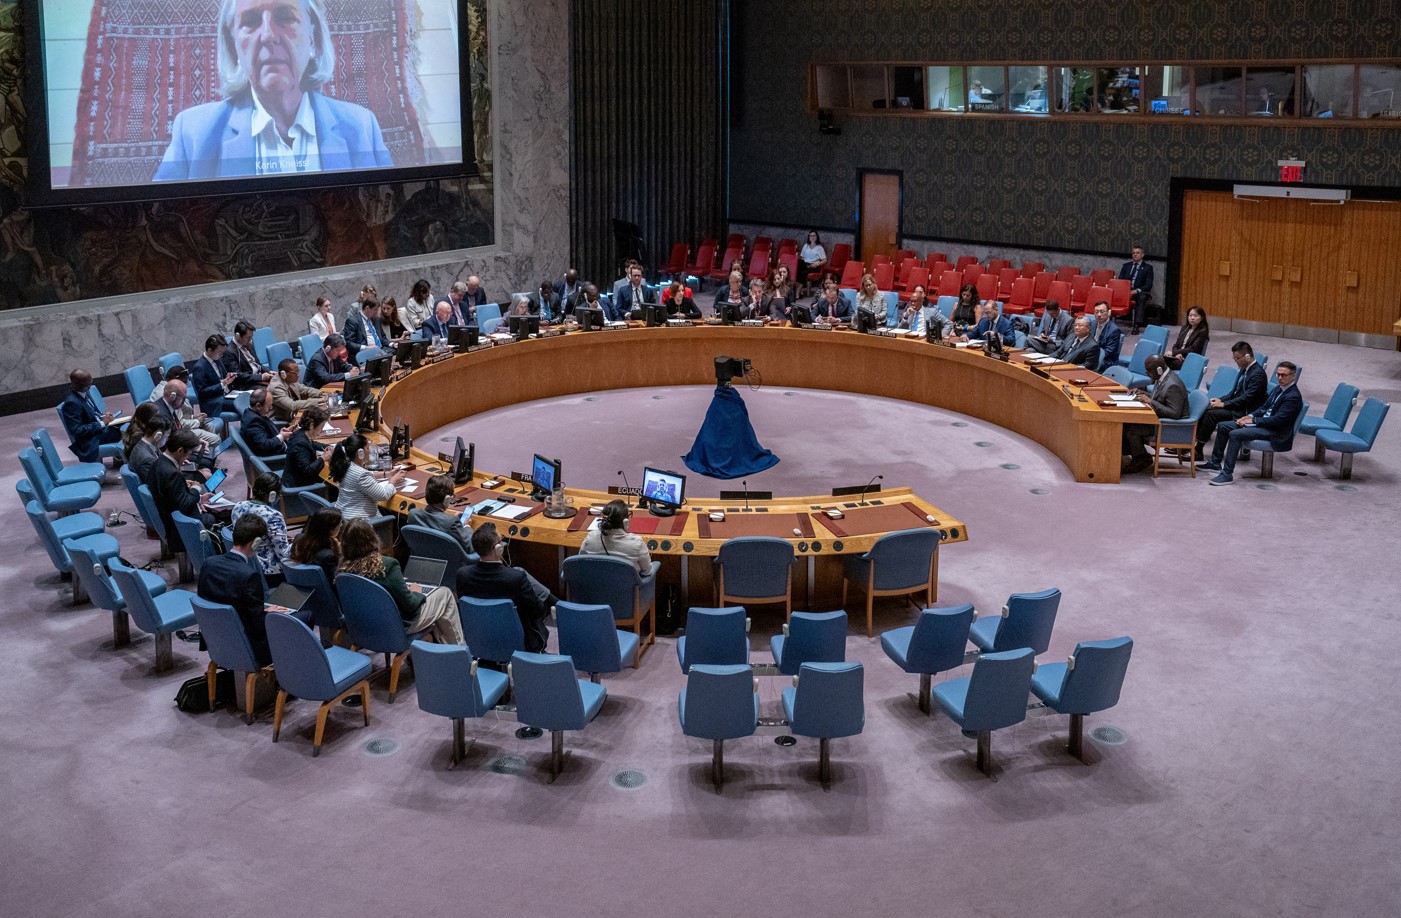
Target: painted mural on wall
63, 254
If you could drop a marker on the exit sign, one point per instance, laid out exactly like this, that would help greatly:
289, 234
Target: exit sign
1291, 170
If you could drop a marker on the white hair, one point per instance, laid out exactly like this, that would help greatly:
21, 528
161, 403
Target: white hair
233, 79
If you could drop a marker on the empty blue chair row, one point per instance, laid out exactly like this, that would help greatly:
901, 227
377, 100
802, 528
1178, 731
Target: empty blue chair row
64, 474
228, 646
1358, 440
53, 497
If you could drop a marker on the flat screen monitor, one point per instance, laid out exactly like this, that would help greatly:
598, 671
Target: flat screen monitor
653, 315
589, 319
464, 462
802, 315
380, 369
522, 326
464, 336
356, 388
369, 414
864, 321
728, 313
403, 351
545, 475
663, 491
147, 99
418, 351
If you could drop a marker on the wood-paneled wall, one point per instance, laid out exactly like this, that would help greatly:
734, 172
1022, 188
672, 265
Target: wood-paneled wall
1292, 262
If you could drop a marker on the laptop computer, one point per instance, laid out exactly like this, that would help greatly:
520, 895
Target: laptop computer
286, 598
426, 572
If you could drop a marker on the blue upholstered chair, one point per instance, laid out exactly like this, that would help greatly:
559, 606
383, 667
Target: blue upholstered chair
1088, 682
138, 383
159, 615
826, 702
1335, 416
450, 685
323, 606
1193, 369
111, 450
83, 528
56, 498
1267, 450
933, 644
719, 703
1138, 374
173, 359
899, 563
492, 628
263, 339
227, 643
1359, 439
717, 637
65, 474
490, 325
372, 620
600, 580
809, 637
488, 311
1154, 335
1180, 435
424, 542
279, 351
309, 345
550, 697
588, 635
198, 542
1222, 382
993, 697
91, 568
1026, 621
755, 569
316, 500
316, 673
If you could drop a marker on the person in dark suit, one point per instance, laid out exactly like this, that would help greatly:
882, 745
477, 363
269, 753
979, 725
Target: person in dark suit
434, 515
305, 457
319, 543
629, 300
1167, 398
492, 578
437, 325
170, 489
831, 307
1192, 338
990, 323
678, 304
1139, 274
234, 579
87, 427
1245, 396
328, 364
1108, 336
1054, 327
462, 312
210, 380
240, 360
1080, 348
263, 436
732, 294
570, 291
1273, 421
545, 303
362, 329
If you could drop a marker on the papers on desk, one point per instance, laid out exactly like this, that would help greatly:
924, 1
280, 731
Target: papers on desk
1123, 397
1041, 359
616, 324
408, 485
328, 429
975, 342
510, 512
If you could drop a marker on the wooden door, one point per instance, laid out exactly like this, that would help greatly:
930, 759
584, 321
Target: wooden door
878, 214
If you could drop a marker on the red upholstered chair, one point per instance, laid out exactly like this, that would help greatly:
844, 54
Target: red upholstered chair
934, 258
919, 276
937, 270
705, 260
677, 262
879, 260
721, 271
902, 273
884, 274
1102, 276
1099, 295
1065, 273
966, 260
996, 265
901, 255
851, 275
1042, 288
971, 273
841, 254
763, 242
790, 261
759, 264
1032, 268
1079, 293
1060, 292
1019, 302
787, 245
987, 286
949, 282
736, 239
1005, 278
1119, 304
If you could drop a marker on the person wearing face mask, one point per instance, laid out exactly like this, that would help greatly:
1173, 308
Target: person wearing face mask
87, 427
491, 577
276, 545
360, 492
612, 538
1167, 398
233, 579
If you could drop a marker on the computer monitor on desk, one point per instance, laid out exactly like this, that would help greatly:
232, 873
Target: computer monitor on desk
356, 387
380, 369
802, 315
461, 337
464, 461
545, 477
662, 491
727, 313
589, 319
523, 326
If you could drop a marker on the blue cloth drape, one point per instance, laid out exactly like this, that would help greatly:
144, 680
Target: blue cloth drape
726, 446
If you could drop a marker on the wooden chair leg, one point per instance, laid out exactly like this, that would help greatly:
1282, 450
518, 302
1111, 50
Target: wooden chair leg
277, 713
249, 682
394, 674
321, 713
210, 680
870, 612
365, 699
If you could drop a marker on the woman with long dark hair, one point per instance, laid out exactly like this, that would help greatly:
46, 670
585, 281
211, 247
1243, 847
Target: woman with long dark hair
435, 608
1192, 338
360, 492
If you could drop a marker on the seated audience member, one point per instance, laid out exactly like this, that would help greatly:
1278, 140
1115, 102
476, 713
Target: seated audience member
570, 291
436, 609
144, 437
967, 310
1192, 338
367, 292
1080, 348
1167, 398
1139, 274
233, 579
319, 543
759, 298
172, 402
492, 578
870, 300
263, 437
1108, 336
363, 330
732, 294
545, 303
305, 457
240, 361
438, 324
389, 320
435, 515
418, 307
276, 545
1274, 421
473, 295
360, 492
678, 304
990, 323
323, 321
831, 307
919, 312
626, 279
171, 491
209, 378
1245, 396
634, 295
461, 312
290, 397
612, 538
87, 427
1051, 331
812, 255
779, 294
520, 305
328, 365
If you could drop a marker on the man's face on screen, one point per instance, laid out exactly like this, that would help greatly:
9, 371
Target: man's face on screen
274, 43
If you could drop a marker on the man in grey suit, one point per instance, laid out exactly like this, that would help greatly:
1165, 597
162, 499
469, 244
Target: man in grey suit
1167, 398
1080, 348
1050, 333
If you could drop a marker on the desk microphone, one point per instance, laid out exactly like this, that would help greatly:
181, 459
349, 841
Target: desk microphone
744, 482
627, 491
866, 489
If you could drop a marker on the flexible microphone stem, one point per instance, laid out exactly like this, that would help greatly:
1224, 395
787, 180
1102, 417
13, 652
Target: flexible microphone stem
866, 490
745, 483
627, 490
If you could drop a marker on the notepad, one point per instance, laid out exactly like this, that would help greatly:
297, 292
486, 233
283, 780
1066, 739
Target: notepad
510, 512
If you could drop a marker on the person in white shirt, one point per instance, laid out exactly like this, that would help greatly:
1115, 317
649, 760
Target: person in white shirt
360, 492
812, 255
418, 307
612, 538
323, 321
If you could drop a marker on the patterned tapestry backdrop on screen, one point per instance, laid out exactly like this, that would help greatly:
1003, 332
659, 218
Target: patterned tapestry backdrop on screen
66, 254
1086, 186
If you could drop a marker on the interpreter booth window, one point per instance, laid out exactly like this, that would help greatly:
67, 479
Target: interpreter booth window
987, 89
1326, 90
1219, 91
1168, 90
868, 89
1379, 91
1028, 91
907, 88
1269, 92
946, 89
1075, 89
1120, 90
833, 86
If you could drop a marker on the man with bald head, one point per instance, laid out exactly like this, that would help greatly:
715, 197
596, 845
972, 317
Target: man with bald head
87, 427
437, 326
1168, 399
173, 404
